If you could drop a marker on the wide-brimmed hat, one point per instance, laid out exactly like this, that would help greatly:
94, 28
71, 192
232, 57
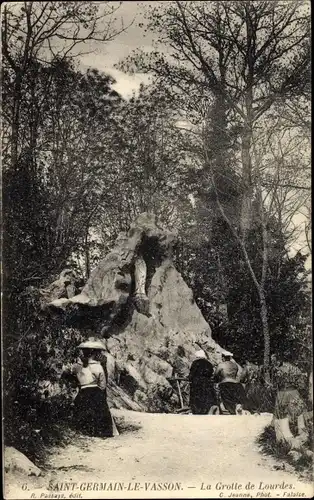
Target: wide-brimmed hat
92, 344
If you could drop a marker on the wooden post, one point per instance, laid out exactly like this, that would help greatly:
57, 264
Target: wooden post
180, 394
178, 380
115, 431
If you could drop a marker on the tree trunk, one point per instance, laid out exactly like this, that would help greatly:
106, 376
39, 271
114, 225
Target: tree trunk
220, 140
266, 334
87, 256
261, 290
246, 209
15, 121
260, 285
310, 395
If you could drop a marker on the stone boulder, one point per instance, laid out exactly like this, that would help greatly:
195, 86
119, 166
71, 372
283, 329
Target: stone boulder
293, 425
112, 282
117, 398
15, 461
64, 287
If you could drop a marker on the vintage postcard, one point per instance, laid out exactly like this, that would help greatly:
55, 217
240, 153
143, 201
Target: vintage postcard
156, 245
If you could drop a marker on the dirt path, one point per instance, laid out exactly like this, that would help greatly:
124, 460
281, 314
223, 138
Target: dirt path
188, 452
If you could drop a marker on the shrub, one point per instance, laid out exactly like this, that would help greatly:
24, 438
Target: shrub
280, 450
161, 399
37, 403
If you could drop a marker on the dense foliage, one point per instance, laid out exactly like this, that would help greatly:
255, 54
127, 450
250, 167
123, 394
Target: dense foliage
214, 147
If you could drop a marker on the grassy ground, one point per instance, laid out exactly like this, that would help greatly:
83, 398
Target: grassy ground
269, 446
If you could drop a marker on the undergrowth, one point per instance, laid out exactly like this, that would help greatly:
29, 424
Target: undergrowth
269, 445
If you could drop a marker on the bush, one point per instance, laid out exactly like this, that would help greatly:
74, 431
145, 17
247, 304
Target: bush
261, 397
280, 450
267, 441
43, 423
37, 403
161, 399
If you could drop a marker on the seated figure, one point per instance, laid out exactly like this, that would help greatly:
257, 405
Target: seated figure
231, 392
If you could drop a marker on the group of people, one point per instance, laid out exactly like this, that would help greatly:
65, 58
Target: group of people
217, 390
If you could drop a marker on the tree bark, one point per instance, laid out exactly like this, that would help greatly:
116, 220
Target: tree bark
248, 76
261, 291
246, 209
260, 285
87, 255
266, 334
15, 120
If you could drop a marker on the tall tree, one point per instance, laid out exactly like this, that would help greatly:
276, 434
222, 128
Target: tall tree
248, 54
43, 31
147, 162
43, 216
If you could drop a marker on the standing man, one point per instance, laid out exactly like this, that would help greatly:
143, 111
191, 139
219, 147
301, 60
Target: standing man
228, 370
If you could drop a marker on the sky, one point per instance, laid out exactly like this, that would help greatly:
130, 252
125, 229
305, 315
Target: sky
105, 56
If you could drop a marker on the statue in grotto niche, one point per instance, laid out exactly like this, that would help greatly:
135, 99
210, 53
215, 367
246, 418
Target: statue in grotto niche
140, 298
120, 282
137, 300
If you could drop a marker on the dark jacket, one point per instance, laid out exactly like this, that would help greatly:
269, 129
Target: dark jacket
201, 368
202, 394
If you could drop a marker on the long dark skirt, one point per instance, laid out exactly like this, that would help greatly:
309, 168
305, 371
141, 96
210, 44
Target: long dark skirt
202, 396
92, 414
231, 394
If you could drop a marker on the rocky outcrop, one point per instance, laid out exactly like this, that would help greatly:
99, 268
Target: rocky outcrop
64, 287
293, 424
139, 302
15, 461
120, 275
118, 398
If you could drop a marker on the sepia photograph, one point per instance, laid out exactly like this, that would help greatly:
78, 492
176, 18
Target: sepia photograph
156, 249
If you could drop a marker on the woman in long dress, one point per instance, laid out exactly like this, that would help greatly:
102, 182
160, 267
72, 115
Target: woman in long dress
202, 394
91, 411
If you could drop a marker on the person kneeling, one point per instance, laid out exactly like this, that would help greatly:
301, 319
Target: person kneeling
231, 391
